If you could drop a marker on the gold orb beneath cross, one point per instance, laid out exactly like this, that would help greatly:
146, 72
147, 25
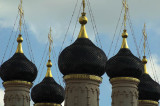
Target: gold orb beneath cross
83, 20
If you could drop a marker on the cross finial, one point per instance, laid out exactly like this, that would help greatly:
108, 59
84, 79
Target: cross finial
21, 15
144, 60
50, 42
145, 37
20, 39
125, 14
83, 5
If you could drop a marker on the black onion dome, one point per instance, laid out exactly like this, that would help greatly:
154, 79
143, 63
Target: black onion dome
124, 64
18, 67
148, 88
48, 91
82, 57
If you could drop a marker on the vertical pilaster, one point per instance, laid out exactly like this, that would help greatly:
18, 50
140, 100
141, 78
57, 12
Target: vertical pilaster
17, 93
82, 90
147, 103
124, 91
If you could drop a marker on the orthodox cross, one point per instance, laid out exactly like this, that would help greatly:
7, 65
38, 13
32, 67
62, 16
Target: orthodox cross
125, 14
84, 6
50, 39
21, 15
145, 38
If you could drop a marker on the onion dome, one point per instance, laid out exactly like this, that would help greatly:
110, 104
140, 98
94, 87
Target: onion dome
124, 63
18, 67
48, 91
148, 88
82, 57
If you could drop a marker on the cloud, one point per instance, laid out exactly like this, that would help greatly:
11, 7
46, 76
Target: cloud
153, 70
31, 103
40, 15
63, 103
1, 97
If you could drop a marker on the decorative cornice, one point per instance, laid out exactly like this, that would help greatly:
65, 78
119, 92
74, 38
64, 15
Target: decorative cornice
17, 82
82, 76
46, 104
148, 101
124, 78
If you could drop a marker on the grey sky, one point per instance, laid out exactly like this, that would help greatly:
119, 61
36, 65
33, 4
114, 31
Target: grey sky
40, 14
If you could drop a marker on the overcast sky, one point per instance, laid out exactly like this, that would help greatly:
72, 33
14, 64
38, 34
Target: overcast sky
41, 14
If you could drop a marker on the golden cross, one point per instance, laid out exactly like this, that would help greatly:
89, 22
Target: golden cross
125, 14
83, 5
145, 38
21, 15
50, 42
